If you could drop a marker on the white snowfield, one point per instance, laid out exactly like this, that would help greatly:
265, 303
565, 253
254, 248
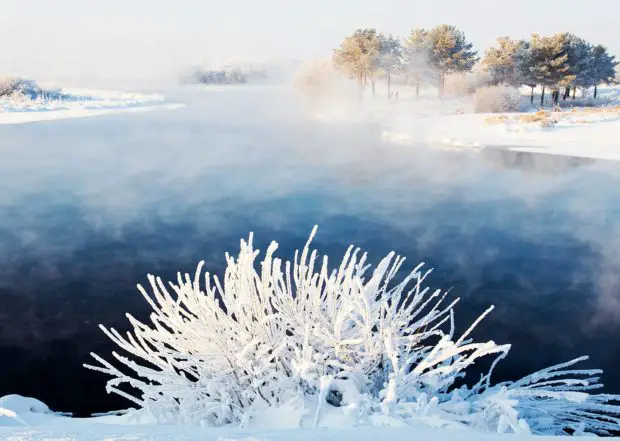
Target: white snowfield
78, 103
598, 139
27, 419
579, 132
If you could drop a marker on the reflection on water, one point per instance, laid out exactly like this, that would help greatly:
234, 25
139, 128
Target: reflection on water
88, 207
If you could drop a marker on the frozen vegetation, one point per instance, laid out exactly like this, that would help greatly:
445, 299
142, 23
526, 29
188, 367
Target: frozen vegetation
25, 101
281, 345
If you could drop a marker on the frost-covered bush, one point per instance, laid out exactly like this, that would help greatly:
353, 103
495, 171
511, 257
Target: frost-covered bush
19, 86
8, 85
22, 90
324, 347
496, 99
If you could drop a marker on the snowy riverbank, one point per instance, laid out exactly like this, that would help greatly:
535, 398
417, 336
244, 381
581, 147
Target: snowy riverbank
76, 103
574, 130
595, 137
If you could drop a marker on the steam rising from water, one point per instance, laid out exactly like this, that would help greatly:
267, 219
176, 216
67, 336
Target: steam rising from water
90, 206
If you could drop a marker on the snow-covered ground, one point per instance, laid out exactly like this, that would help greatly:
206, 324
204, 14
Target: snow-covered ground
27, 419
77, 103
588, 136
578, 132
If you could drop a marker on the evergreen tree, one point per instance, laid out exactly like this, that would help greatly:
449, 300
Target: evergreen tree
390, 59
416, 55
358, 55
502, 62
524, 59
579, 55
548, 63
449, 52
603, 67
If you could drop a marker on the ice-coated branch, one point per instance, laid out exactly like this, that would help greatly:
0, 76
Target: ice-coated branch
346, 340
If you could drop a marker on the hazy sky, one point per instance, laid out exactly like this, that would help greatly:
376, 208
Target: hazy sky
131, 38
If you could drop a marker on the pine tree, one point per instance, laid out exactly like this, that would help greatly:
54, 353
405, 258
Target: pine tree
579, 54
502, 62
416, 56
548, 63
603, 66
390, 59
358, 55
524, 59
450, 52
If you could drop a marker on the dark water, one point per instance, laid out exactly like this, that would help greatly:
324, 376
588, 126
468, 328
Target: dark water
89, 206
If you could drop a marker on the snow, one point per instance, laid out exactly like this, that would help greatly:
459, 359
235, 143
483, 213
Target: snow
34, 422
78, 103
599, 138
579, 132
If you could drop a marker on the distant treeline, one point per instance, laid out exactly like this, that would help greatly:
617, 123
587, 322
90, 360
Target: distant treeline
225, 75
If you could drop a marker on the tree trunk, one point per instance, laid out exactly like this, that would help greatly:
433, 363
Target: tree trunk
532, 95
566, 93
595, 91
542, 97
417, 90
372, 84
389, 84
442, 80
574, 91
360, 86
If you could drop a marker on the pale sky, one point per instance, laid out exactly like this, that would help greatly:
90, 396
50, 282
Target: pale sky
46, 39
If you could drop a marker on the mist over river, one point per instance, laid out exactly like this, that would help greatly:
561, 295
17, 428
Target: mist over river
89, 206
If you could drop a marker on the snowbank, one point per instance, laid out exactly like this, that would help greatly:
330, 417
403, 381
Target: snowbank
16, 410
33, 421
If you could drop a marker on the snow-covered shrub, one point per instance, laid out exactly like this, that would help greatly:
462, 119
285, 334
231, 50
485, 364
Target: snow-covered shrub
496, 99
19, 86
22, 90
8, 85
321, 345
